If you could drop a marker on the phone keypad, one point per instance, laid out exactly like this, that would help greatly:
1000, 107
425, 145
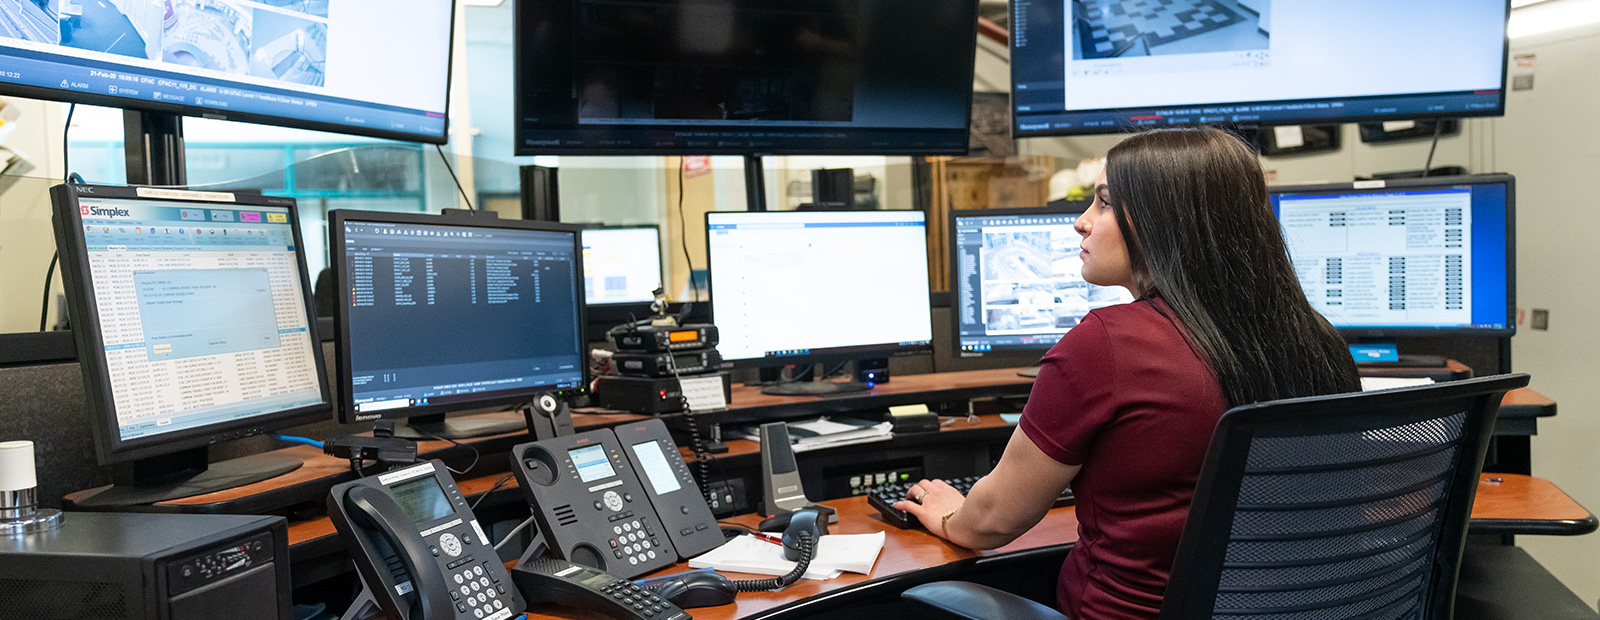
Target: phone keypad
480, 592
636, 542
640, 600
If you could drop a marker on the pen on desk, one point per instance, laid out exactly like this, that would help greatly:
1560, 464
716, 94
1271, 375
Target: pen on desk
769, 538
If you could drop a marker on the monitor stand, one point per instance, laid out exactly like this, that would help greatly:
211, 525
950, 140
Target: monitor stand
802, 382
1031, 372
179, 475
815, 388
424, 427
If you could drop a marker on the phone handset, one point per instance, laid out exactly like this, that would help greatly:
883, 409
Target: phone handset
425, 588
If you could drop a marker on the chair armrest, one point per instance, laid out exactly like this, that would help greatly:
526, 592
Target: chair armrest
970, 601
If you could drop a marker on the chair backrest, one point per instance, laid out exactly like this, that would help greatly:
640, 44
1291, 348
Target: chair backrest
1331, 507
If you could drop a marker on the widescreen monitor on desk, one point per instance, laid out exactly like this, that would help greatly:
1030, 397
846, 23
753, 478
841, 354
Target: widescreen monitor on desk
454, 314
799, 287
1430, 256
193, 320
1016, 280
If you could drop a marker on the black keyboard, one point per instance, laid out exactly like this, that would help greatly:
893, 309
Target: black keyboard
883, 498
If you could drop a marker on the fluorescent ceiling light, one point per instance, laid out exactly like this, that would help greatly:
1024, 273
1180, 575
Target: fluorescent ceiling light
1548, 16
499, 2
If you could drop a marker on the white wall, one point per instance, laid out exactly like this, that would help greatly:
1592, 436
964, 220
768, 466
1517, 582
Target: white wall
26, 240
1551, 143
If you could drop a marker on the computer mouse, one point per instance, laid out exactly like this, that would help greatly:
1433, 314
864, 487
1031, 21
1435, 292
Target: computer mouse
701, 588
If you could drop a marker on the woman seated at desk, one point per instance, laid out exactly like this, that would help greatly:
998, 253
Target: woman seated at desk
1125, 404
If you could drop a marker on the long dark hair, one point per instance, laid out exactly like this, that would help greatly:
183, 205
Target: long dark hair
1193, 207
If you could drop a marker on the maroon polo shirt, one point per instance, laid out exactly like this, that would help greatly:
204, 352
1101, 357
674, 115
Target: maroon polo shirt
1125, 396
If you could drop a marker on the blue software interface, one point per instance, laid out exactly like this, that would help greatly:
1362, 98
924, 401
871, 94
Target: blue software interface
200, 312
1417, 257
1019, 282
445, 314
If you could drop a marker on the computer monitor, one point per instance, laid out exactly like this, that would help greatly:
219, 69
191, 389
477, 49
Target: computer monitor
454, 313
744, 77
1104, 66
1016, 281
1412, 257
799, 287
621, 265
365, 67
193, 321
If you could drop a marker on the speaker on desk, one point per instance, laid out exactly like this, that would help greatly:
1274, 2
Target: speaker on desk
781, 490
548, 416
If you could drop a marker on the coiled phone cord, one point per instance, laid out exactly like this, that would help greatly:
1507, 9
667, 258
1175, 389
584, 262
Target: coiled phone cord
808, 547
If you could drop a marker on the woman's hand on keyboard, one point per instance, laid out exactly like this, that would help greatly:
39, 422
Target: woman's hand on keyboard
937, 499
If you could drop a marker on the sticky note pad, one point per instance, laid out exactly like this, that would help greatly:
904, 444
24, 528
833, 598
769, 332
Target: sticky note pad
908, 409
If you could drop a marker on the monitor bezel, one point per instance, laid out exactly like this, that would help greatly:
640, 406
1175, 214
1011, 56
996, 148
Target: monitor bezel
341, 318
1499, 110
129, 103
519, 65
661, 262
82, 309
1372, 333
835, 354
952, 239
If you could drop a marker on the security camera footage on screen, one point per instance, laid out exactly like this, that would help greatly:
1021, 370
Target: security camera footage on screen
1019, 281
200, 311
317, 60
1089, 66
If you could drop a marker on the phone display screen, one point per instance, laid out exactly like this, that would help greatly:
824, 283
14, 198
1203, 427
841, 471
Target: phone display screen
654, 463
422, 499
592, 463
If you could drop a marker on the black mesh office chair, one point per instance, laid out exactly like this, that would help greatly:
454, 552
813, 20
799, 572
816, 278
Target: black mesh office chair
1347, 506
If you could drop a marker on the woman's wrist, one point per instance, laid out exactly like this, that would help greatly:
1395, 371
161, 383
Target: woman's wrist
944, 523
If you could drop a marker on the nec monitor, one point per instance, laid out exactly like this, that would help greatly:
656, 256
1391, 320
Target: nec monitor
376, 68
454, 313
193, 321
1016, 281
798, 287
621, 264
1104, 66
1406, 257
744, 77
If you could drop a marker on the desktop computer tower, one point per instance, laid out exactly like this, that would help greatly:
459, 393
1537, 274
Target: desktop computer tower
112, 566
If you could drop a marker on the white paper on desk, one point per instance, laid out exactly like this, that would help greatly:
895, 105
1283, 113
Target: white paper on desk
703, 393
1369, 384
813, 443
748, 554
855, 553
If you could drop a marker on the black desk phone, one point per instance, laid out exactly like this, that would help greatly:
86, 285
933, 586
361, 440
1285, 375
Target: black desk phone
419, 549
593, 510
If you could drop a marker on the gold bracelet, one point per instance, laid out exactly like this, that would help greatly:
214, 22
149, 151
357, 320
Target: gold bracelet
944, 523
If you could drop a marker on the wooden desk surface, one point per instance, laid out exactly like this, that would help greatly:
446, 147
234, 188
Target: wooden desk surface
903, 551
1517, 504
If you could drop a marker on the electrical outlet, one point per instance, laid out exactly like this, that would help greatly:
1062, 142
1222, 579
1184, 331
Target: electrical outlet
1540, 319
